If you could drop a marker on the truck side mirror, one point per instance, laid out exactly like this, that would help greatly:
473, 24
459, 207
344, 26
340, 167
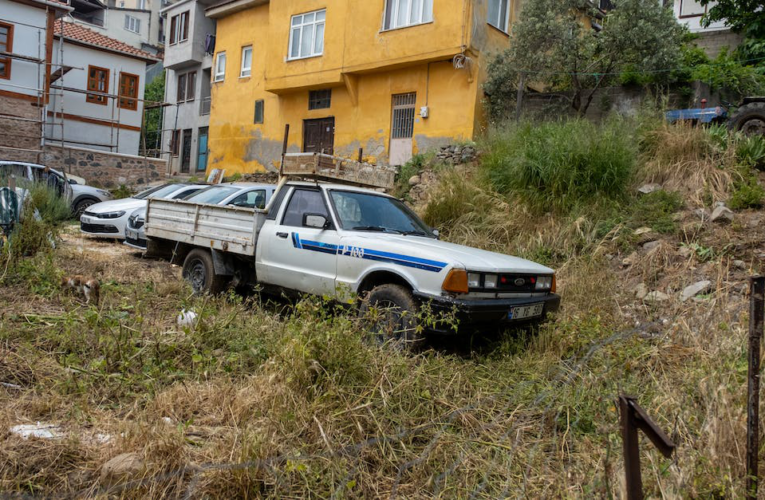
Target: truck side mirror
316, 221
436, 233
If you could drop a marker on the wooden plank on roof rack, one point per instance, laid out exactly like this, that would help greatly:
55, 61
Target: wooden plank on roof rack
320, 166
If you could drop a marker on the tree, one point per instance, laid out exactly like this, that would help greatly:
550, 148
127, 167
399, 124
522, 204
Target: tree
154, 94
562, 45
742, 16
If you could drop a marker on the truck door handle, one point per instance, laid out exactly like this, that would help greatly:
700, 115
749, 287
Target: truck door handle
282, 235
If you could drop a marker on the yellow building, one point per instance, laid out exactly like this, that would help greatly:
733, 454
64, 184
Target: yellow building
393, 77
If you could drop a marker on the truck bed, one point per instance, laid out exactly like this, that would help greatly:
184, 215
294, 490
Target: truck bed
224, 228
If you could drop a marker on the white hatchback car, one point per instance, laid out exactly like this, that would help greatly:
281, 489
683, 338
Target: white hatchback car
237, 194
109, 219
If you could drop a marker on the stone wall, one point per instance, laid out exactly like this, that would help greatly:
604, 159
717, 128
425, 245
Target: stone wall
19, 134
101, 168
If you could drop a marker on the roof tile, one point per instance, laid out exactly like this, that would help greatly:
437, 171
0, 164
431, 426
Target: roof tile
80, 33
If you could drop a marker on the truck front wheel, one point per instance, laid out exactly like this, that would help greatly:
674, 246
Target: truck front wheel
198, 269
390, 312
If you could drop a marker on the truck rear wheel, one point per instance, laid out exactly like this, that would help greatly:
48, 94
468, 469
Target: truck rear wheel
390, 311
749, 119
198, 269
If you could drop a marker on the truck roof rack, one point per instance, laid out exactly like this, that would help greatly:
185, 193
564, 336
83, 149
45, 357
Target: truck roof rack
324, 167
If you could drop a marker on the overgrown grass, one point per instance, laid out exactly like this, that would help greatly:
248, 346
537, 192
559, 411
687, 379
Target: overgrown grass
561, 165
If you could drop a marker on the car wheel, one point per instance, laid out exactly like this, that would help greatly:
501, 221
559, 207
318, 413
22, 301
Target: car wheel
390, 313
198, 269
81, 206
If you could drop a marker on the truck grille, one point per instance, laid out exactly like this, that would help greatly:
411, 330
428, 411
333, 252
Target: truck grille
516, 283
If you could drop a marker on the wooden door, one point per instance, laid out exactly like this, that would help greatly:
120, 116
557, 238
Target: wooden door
319, 135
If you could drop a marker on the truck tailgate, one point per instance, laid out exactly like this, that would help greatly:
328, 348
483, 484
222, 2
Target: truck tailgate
229, 229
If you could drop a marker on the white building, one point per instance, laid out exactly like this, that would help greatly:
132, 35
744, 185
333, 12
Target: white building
24, 74
84, 110
134, 22
712, 38
189, 47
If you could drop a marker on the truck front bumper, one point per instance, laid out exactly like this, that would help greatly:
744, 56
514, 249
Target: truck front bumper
472, 314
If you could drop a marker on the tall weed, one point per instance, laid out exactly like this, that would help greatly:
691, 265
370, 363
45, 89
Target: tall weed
560, 165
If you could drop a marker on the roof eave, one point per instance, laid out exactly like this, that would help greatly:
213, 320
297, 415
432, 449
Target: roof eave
228, 7
107, 49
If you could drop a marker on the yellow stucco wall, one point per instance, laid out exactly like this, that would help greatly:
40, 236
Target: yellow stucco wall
363, 66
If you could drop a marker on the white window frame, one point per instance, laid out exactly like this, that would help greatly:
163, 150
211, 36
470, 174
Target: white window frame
498, 21
132, 24
220, 75
142, 4
393, 7
246, 71
300, 28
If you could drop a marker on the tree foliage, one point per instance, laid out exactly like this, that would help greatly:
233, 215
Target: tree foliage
153, 94
742, 16
565, 45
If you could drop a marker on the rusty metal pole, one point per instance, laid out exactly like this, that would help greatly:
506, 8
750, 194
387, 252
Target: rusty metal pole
285, 145
361, 155
631, 447
756, 315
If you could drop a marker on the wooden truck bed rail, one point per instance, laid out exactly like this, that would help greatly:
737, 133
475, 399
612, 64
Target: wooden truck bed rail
320, 166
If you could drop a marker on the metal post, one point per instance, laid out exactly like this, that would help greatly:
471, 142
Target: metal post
285, 144
756, 315
519, 97
631, 447
361, 155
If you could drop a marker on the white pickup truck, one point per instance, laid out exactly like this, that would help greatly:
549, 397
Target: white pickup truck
331, 239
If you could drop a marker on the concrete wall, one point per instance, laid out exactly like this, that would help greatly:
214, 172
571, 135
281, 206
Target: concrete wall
192, 50
89, 123
713, 42
114, 27
105, 169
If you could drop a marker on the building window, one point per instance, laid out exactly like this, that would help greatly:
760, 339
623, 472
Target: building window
692, 8
259, 105
142, 4
128, 91
402, 13
187, 83
220, 67
6, 45
179, 28
320, 99
307, 35
132, 24
246, 62
499, 14
175, 142
98, 81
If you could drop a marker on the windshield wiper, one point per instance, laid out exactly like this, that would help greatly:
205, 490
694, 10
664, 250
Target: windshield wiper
414, 233
377, 228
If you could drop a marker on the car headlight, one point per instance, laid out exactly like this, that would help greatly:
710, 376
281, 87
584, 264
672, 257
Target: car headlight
474, 280
490, 281
544, 283
105, 194
111, 215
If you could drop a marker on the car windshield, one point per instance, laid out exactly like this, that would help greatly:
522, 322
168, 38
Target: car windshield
369, 212
213, 195
145, 194
166, 191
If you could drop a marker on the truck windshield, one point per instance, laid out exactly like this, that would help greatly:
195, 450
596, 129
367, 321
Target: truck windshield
368, 212
213, 195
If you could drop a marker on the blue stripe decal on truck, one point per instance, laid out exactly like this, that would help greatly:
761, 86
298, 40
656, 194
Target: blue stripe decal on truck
368, 254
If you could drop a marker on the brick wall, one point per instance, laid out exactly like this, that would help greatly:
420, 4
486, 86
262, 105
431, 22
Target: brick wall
105, 169
19, 134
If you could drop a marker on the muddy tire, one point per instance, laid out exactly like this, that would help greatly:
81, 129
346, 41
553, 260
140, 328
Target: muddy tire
749, 119
198, 269
390, 312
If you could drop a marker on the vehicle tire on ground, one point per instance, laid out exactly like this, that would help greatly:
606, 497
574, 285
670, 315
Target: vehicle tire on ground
391, 314
749, 119
198, 269
83, 205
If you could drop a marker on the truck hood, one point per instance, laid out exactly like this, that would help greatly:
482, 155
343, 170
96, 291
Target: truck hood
461, 256
127, 204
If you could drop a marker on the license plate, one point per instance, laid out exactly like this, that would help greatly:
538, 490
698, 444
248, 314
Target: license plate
523, 312
129, 233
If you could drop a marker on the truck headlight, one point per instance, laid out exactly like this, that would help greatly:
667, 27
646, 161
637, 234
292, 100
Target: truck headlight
490, 281
474, 280
544, 283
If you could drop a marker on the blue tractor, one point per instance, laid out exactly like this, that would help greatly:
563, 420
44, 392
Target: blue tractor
748, 119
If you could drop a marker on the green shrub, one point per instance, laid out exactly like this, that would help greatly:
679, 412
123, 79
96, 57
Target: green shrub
122, 192
51, 206
750, 151
559, 165
747, 193
654, 210
406, 171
